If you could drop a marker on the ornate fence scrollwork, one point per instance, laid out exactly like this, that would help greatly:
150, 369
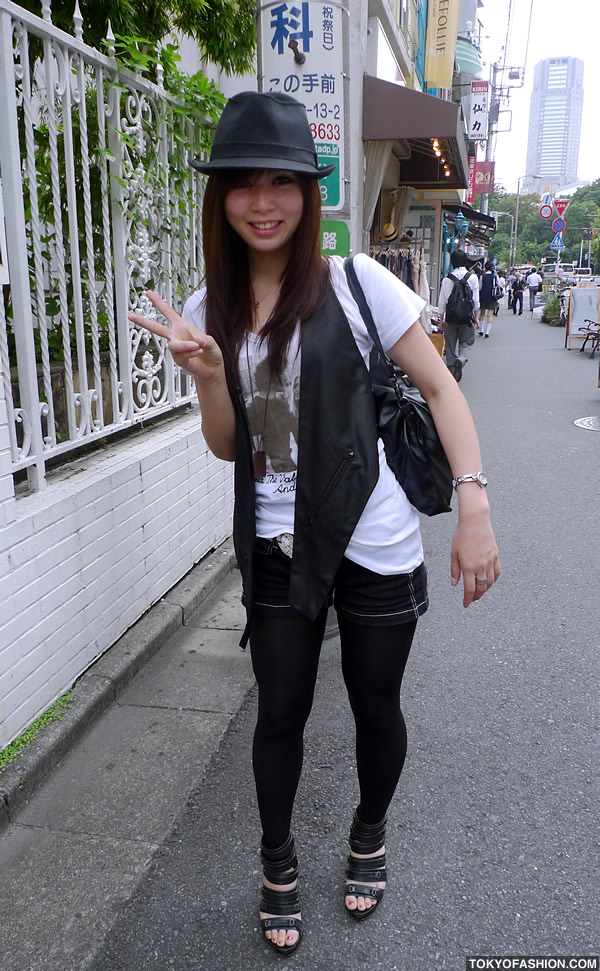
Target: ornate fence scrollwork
109, 211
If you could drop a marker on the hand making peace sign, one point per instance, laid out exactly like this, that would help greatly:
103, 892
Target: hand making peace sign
192, 349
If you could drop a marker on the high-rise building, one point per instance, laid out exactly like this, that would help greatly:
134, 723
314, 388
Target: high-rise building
554, 123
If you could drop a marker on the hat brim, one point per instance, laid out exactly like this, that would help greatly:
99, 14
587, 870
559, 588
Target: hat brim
224, 164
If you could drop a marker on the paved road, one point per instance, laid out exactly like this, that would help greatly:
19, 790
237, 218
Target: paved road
493, 836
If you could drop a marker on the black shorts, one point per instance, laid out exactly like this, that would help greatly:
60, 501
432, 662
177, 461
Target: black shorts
364, 597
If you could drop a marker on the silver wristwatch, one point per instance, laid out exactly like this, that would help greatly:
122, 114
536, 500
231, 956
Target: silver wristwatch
478, 477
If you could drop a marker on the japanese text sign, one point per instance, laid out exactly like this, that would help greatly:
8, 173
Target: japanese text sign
315, 33
478, 114
335, 238
470, 196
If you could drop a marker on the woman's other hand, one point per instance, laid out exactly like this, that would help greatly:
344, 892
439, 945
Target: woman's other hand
474, 555
192, 350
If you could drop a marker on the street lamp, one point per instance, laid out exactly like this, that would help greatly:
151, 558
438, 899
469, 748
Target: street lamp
496, 214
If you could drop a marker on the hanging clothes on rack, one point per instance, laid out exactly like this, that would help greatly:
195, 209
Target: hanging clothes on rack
400, 261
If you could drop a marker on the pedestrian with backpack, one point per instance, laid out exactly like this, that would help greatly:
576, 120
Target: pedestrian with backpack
458, 302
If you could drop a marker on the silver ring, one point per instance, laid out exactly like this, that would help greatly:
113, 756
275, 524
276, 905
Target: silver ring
482, 583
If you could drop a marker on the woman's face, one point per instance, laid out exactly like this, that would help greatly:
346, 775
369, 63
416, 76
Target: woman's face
265, 208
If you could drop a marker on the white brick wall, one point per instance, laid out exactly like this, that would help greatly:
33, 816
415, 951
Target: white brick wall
83, 560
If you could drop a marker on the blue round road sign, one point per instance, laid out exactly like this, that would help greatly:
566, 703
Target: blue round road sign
558, 225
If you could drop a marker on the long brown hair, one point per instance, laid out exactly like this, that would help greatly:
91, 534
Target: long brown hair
228, 304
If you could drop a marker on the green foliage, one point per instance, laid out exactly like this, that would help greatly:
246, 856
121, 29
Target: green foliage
188, 128
535, 234
55, 711
225, 30
551, 312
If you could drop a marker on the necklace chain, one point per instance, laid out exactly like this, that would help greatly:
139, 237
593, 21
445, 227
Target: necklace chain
264, 297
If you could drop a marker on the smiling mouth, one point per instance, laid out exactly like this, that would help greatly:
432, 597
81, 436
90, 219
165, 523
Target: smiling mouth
269, 225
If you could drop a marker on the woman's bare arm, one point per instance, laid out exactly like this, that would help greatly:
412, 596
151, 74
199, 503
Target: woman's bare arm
474, 551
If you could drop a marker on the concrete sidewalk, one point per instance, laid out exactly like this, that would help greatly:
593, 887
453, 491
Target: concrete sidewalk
115, 784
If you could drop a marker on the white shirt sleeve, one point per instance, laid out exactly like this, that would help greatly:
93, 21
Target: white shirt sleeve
474, 284
445, 291
394, 306
193, 309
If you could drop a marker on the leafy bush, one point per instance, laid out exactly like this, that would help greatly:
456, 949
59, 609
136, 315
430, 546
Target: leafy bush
551, 314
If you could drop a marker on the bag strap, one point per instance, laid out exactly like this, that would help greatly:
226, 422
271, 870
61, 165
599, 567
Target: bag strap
365, 311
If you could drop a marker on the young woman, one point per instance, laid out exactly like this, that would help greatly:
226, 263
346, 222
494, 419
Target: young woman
487, 303
278, 349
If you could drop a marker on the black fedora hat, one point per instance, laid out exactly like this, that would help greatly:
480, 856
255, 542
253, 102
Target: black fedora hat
264, 131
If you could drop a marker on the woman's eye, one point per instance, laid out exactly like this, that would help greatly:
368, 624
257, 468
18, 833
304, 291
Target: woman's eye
283, 180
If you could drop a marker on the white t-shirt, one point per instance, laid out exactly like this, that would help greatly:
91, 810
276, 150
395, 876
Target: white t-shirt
386, 539
448, 285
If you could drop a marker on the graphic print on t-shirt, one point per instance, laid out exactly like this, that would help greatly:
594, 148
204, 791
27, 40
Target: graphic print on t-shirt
273, 416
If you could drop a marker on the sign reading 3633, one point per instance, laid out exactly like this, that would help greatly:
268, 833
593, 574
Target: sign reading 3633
314, 31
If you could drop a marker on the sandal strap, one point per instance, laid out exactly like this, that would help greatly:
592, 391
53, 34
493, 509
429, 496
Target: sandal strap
371, 869
366, 837
279, 902
280, 865
363, 890
281, 923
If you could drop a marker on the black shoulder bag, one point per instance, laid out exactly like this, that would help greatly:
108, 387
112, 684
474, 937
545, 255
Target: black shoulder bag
412, 447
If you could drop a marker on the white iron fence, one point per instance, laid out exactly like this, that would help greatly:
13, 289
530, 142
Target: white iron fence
96, 212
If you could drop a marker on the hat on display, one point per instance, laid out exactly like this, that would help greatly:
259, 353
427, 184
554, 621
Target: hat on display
389, 233
264, 131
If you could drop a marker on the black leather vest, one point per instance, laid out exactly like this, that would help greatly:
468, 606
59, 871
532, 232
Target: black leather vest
338, 463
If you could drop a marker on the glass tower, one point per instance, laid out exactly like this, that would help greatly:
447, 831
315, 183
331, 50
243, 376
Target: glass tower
554, 124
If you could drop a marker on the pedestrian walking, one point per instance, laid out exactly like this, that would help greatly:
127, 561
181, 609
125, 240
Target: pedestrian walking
278, 348
518, 287
510, 280
534, 285
502, 285
458, 304
478, 271
488, 303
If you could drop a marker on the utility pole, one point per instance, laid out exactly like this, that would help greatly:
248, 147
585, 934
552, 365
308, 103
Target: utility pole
491, 121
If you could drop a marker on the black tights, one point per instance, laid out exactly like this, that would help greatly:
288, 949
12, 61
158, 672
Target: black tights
285, 658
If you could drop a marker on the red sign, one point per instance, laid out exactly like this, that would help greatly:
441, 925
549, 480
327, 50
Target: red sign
560, 205
470, 196
558, 225
484, 177
545, 211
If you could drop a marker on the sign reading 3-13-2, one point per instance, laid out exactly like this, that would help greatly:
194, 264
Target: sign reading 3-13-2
301, 55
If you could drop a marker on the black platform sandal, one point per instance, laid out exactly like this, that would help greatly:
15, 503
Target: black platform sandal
280, 866
365, 838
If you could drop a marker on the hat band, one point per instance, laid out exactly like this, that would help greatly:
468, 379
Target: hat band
235, 150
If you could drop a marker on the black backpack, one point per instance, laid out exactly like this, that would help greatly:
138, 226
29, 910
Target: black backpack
460, 307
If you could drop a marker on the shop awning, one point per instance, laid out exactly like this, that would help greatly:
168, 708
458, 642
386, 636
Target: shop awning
393, 112
473, 215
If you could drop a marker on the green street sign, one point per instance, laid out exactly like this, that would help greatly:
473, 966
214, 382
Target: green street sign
335, 238
330, 185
